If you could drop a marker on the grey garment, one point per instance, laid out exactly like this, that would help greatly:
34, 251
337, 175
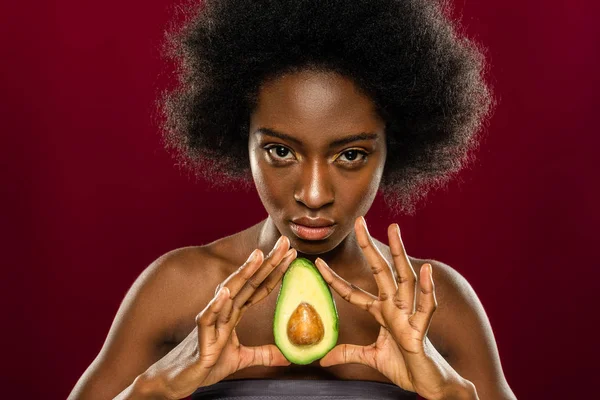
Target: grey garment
274, 389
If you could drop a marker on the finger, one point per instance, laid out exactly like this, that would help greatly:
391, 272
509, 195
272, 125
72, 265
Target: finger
268, 355
251, 279
348, 291
242, 302
257, 280
379, 266
426, 302
349, 354
240, 278
405, 275
206, 320
269, 284
237, 280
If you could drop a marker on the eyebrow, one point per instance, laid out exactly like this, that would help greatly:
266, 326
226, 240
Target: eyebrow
335, 143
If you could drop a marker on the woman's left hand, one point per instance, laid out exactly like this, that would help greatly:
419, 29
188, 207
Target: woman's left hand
402, 351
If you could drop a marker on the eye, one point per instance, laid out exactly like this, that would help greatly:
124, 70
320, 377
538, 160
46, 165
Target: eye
353, 156
278, 152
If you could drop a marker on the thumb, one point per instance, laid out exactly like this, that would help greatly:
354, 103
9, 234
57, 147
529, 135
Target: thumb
348, 354
268, 355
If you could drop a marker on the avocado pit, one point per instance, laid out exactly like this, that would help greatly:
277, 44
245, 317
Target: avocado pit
305, 326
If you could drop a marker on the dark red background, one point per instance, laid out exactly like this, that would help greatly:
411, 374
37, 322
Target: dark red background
90, 198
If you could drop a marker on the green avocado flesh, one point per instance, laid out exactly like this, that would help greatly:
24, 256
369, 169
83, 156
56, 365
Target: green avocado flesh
305, 324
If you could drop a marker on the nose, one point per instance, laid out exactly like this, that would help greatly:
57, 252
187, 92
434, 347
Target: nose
315, 188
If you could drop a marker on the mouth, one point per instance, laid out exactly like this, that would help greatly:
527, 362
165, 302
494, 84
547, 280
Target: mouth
312, 233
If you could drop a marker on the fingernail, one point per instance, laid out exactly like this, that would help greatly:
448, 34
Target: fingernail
253, 256
289, 253
277, 245
279, 241
364, 222
397, 229
223, 292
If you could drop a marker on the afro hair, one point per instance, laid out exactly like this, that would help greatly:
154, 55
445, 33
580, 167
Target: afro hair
425, 77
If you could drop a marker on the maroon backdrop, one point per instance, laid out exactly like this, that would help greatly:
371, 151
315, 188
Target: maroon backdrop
90, 198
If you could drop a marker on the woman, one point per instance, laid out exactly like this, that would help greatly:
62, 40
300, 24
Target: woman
320, 104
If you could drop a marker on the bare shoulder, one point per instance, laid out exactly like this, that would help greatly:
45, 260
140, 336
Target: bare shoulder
176, 287
456, 302
452, 289
194, 271
193, 274
458, 308
186, 278
164, 296
460, 329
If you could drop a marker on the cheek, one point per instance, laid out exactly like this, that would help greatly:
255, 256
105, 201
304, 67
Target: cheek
360, 189
272, 185
358, 193
271, 189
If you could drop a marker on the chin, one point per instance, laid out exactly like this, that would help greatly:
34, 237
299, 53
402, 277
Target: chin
313, 247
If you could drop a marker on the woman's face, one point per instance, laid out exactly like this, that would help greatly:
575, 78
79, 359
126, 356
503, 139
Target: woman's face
317, 150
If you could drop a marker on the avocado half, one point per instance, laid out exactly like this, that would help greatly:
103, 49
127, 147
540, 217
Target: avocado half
305, 324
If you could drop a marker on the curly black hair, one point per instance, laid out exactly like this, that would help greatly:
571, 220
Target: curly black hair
425, 77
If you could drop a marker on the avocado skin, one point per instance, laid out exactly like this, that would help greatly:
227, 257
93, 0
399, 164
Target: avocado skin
325, 306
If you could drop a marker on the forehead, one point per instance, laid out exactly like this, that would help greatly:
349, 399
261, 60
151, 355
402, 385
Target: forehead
314, 107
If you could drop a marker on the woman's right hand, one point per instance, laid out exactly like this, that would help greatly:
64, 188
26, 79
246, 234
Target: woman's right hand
212, 350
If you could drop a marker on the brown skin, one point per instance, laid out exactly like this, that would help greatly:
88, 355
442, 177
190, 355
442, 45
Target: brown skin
363, 329
312, 179
309, 177
161, 308
315, 180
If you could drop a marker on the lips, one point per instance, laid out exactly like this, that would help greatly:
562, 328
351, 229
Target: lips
313, 222
312, 228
